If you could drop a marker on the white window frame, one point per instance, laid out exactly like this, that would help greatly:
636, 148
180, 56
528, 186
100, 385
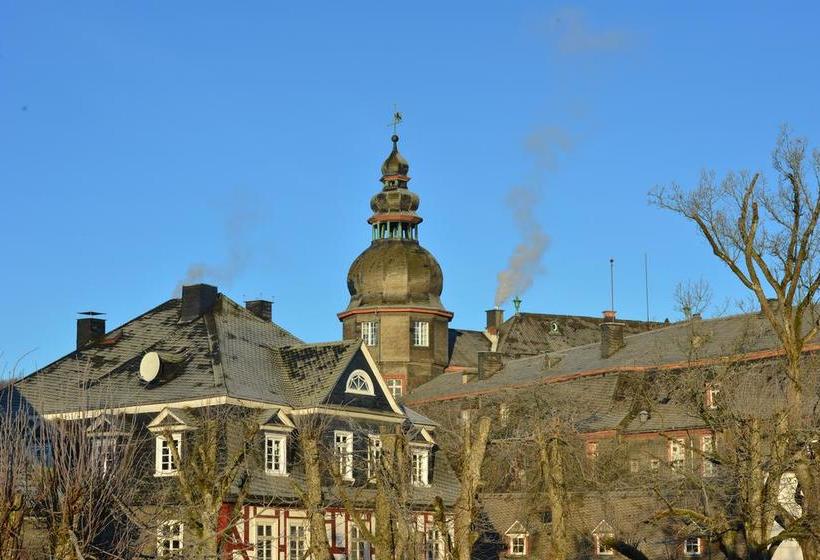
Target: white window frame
271, 553
359, 383
161, 445
393, 384
354, 540
707, 448
421, 334
697, 549
103, 450
433, 545
270, 447
420, 471
162, 539
634, 466
374, 453
712, 394
600, 548
297, 524
513, 541
370, 332
343, 453
677, 453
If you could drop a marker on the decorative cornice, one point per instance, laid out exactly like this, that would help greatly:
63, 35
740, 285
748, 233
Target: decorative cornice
382, 310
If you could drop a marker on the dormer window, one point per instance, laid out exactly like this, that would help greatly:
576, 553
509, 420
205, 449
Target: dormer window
359, 383
602, 535
518, 545
165, 463
691, 546
420, 465
276, 454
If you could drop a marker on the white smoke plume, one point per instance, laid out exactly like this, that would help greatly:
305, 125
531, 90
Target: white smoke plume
239, 222
525, 261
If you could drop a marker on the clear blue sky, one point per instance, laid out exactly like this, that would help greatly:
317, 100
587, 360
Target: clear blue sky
140, 138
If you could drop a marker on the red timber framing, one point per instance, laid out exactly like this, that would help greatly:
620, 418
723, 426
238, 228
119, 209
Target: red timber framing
337, 524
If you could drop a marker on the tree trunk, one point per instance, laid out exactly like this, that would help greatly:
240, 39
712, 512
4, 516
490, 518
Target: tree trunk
554, 488
475, 446
314, 506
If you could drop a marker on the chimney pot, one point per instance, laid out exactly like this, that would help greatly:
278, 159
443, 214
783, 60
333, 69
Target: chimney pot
89, 329
197, 300
696, 316
495, 317
262, 308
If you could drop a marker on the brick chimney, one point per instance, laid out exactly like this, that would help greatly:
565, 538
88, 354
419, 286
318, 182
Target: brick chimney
612, 335
197, 299
495, 317
262, 308
89, 329
489, 363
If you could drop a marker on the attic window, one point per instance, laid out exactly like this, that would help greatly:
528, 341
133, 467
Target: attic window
359, 383
518, 545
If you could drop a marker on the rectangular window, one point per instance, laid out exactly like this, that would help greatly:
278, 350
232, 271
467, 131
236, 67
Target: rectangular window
712, 393
297, 541
691, 546
518, 545
433, 545
165, 464
370, 333
359, 548
169, 539
276, 454
677, 453
374, 454
708, 450
655, 464
420, 464
592, 450
343, 450
601, 548
395, 387
634, 466
103, 451
421, 333
265, 541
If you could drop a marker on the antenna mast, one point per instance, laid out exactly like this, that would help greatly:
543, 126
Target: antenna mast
612, 284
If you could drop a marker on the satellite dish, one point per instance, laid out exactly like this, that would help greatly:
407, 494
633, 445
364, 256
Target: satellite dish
150, 366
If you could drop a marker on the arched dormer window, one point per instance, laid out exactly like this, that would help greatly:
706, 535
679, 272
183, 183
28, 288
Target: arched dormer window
359, 383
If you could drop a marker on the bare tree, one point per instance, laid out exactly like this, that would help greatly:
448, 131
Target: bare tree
768, 238
212, 477
16, 449
82, 474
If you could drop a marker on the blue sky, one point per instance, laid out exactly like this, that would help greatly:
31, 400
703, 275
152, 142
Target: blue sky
141, 139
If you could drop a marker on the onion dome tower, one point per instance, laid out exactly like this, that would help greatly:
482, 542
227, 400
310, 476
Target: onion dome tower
395, 288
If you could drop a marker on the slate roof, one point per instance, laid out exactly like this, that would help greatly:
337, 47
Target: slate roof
677, 345
227, 351
535, 333
606, 389
464, 348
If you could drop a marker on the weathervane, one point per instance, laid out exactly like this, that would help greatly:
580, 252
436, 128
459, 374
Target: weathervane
397, 119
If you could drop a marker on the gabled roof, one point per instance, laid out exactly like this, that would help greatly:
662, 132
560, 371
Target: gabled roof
309, 371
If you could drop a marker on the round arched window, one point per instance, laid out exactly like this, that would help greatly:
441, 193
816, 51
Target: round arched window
359, 383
